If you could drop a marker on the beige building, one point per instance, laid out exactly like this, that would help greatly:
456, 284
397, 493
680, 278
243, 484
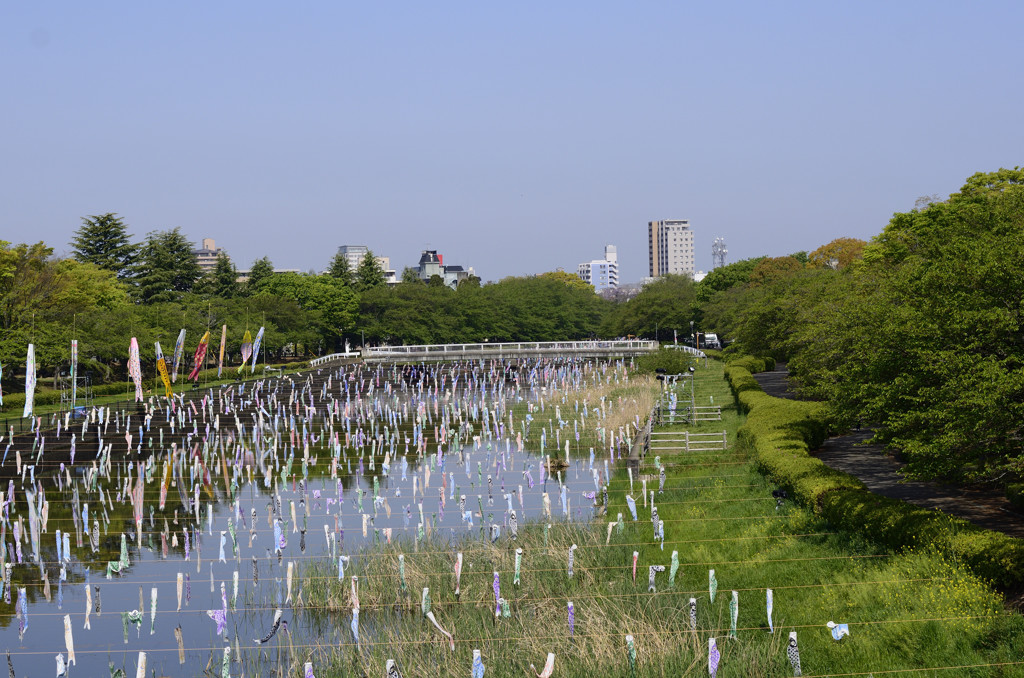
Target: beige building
206, 256
670, 247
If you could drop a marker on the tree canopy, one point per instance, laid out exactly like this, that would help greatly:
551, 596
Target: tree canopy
102, 240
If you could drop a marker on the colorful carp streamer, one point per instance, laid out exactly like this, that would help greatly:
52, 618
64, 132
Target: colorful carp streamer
734, 613
519, 562
549, 667
793, 652
161, 368
693, 614
478, 666
651, 571
30, 380
769, 604
713, 657
838, 630
572, 552
179, 348
199, 357
307, 671
69, 640
181, 644
140, 671
223, 343
220, 617
712, 585
246, 349
391, 670
135, 368
632, 506
256, 349
273, 629
433, 620
673, 568
21, 607
572, 620
631, 655
74, 374
497, 594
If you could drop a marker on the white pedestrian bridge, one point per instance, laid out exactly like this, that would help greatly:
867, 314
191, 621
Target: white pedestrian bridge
519, 349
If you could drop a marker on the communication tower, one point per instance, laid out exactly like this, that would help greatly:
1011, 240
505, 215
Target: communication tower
718, 252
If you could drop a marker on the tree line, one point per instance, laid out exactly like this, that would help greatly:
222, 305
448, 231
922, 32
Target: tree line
918, 332
110, 289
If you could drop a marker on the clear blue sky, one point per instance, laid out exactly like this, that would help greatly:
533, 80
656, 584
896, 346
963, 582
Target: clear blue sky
512, 137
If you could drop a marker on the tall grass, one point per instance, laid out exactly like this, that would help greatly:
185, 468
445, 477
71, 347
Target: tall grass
906, 611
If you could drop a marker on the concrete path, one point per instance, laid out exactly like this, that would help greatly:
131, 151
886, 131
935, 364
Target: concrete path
880, 472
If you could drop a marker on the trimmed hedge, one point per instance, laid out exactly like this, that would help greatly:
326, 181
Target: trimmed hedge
780, 433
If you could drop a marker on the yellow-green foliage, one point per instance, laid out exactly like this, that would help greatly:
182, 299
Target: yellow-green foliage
780, 433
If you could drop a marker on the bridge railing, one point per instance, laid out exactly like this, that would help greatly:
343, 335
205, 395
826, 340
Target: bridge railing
512, 348
332, 356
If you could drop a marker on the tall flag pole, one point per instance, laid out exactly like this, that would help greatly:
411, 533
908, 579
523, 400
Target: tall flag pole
256, 348
135, 368
199, 356
74, 372
161, 367
30, 380
246, 349
179, 348
223, 343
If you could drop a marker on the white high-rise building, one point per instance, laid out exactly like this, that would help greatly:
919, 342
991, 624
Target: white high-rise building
601, 273
670, 247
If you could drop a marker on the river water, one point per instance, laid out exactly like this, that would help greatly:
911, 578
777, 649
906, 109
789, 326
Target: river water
258, 479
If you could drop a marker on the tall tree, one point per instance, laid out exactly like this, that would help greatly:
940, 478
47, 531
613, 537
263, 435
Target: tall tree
340, 269
166, 268
225, 277
411, 275
103, 240
369, 274
261, 270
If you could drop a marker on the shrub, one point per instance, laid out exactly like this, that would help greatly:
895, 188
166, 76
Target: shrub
669, 359
780, 434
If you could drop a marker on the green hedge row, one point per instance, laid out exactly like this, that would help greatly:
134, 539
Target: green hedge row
780, 433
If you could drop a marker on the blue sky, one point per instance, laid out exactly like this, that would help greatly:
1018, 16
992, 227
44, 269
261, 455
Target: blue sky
514, 138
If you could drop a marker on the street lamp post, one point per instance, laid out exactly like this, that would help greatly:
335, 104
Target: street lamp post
693, 337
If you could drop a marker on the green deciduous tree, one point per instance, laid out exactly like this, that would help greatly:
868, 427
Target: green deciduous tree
262, 269
411, 275
667, 304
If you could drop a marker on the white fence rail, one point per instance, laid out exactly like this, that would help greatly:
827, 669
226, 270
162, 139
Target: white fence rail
331, 357
689, 442
510, 349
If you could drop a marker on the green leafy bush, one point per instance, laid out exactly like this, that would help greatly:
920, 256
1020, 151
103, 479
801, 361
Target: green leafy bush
669, 359
780, 433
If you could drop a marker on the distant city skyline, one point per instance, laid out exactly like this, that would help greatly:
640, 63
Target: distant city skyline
509, 137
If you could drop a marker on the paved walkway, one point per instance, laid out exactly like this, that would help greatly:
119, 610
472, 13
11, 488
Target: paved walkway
880, 472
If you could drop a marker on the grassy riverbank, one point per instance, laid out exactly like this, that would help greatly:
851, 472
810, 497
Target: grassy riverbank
908, 611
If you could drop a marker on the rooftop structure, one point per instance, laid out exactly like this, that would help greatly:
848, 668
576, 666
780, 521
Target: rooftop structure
432, 263
206, 256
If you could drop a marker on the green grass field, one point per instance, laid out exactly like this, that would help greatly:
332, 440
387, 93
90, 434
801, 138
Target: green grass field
908, 614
